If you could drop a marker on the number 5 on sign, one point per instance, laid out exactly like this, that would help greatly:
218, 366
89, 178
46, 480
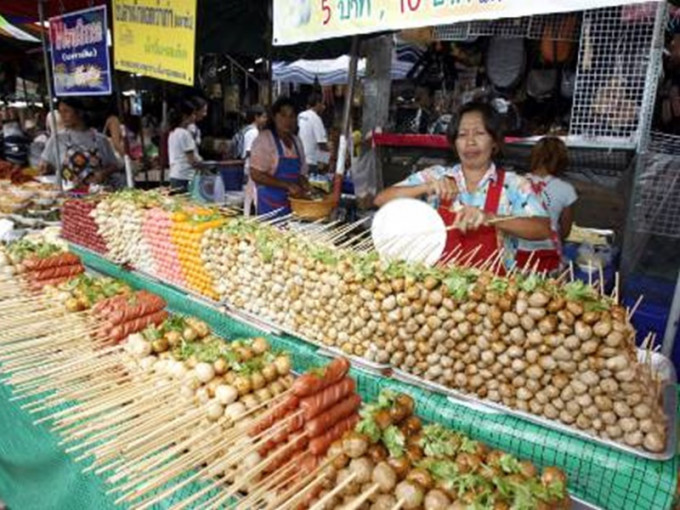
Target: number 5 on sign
327, 11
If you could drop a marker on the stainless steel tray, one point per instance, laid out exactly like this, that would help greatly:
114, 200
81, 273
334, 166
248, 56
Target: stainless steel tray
356, 361
669, 395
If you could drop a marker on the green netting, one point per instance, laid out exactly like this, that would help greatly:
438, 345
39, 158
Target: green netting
608, 478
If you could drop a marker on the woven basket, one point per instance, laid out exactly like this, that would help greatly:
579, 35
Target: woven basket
312, 209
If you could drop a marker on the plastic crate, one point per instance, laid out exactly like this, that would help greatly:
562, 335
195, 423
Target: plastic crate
656, 290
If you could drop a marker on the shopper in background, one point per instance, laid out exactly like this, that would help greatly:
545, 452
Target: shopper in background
312, 131
475, 191
201, 112
82, 155
277, 161
549, 159
256, 120
182, 149
115, 131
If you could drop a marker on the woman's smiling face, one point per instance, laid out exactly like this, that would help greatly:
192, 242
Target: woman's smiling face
474, 144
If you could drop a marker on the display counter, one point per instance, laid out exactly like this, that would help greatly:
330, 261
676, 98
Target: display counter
36, 474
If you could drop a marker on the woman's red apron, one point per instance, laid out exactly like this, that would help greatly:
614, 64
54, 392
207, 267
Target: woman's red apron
544, 260
288, 170
482, 241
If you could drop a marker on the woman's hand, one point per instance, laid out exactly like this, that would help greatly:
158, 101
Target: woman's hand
295, 190
445, 189
469, 218
304, 183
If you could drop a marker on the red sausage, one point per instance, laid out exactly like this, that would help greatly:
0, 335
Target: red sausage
316, 404
334, 415
274, 414
310, 383
319, 445
307, 464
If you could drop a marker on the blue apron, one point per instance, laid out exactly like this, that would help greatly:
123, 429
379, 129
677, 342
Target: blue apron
288, 170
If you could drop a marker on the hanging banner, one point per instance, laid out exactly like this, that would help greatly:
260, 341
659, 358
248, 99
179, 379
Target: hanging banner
80, 55
155, 38
298, 21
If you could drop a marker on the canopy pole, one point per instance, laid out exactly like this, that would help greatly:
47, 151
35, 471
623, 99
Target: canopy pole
50, 92
344, 133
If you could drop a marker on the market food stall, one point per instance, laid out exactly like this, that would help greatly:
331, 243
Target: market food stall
242, 280
169, 354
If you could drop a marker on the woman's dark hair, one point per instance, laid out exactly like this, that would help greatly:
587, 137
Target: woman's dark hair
198, 102
180, 111
276, 108
84, 107
253, 112
551, 154
491, 119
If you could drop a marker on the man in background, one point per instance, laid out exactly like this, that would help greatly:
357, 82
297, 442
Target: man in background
313, 133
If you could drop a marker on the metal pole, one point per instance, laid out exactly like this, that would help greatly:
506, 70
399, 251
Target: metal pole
50, 92
344, 133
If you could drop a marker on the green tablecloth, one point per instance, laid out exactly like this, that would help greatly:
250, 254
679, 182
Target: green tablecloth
34, 474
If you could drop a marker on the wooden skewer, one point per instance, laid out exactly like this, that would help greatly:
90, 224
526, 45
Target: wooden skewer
246, 477
399, 504
148, 465
165, 478
319, 505
300, 491
357, 502
635, 306
601, 271
617, 282
281, 477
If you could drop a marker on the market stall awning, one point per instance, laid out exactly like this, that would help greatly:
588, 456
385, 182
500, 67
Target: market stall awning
12, 31
296, 22
29, 8
335, 71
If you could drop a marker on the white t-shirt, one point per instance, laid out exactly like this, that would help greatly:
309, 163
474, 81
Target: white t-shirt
179, 143
249, 136
195, 132
312, 133
556, 195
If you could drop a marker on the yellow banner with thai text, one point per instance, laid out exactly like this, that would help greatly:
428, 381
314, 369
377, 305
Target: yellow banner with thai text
155, 38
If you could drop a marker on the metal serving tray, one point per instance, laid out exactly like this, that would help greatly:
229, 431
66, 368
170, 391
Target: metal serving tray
356, 361
662, 365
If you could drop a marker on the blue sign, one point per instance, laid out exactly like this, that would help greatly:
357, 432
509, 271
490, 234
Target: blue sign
80, 55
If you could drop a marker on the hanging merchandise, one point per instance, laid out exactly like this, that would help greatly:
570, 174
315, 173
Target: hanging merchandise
542, 83
505, 63
568, 83
557, 44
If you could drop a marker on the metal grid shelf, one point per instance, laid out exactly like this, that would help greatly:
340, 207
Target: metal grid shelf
657, 208
618, 63
532, 27
612, 75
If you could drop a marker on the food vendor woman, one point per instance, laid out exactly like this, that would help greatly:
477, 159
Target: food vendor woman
475, 191
82, 155
277, 161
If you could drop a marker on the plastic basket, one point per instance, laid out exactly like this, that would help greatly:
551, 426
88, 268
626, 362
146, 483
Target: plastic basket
312, 209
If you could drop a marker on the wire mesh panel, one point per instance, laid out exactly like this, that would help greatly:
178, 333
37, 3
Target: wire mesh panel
615, 53
557, 27
510, 27
454, 32
657, 209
